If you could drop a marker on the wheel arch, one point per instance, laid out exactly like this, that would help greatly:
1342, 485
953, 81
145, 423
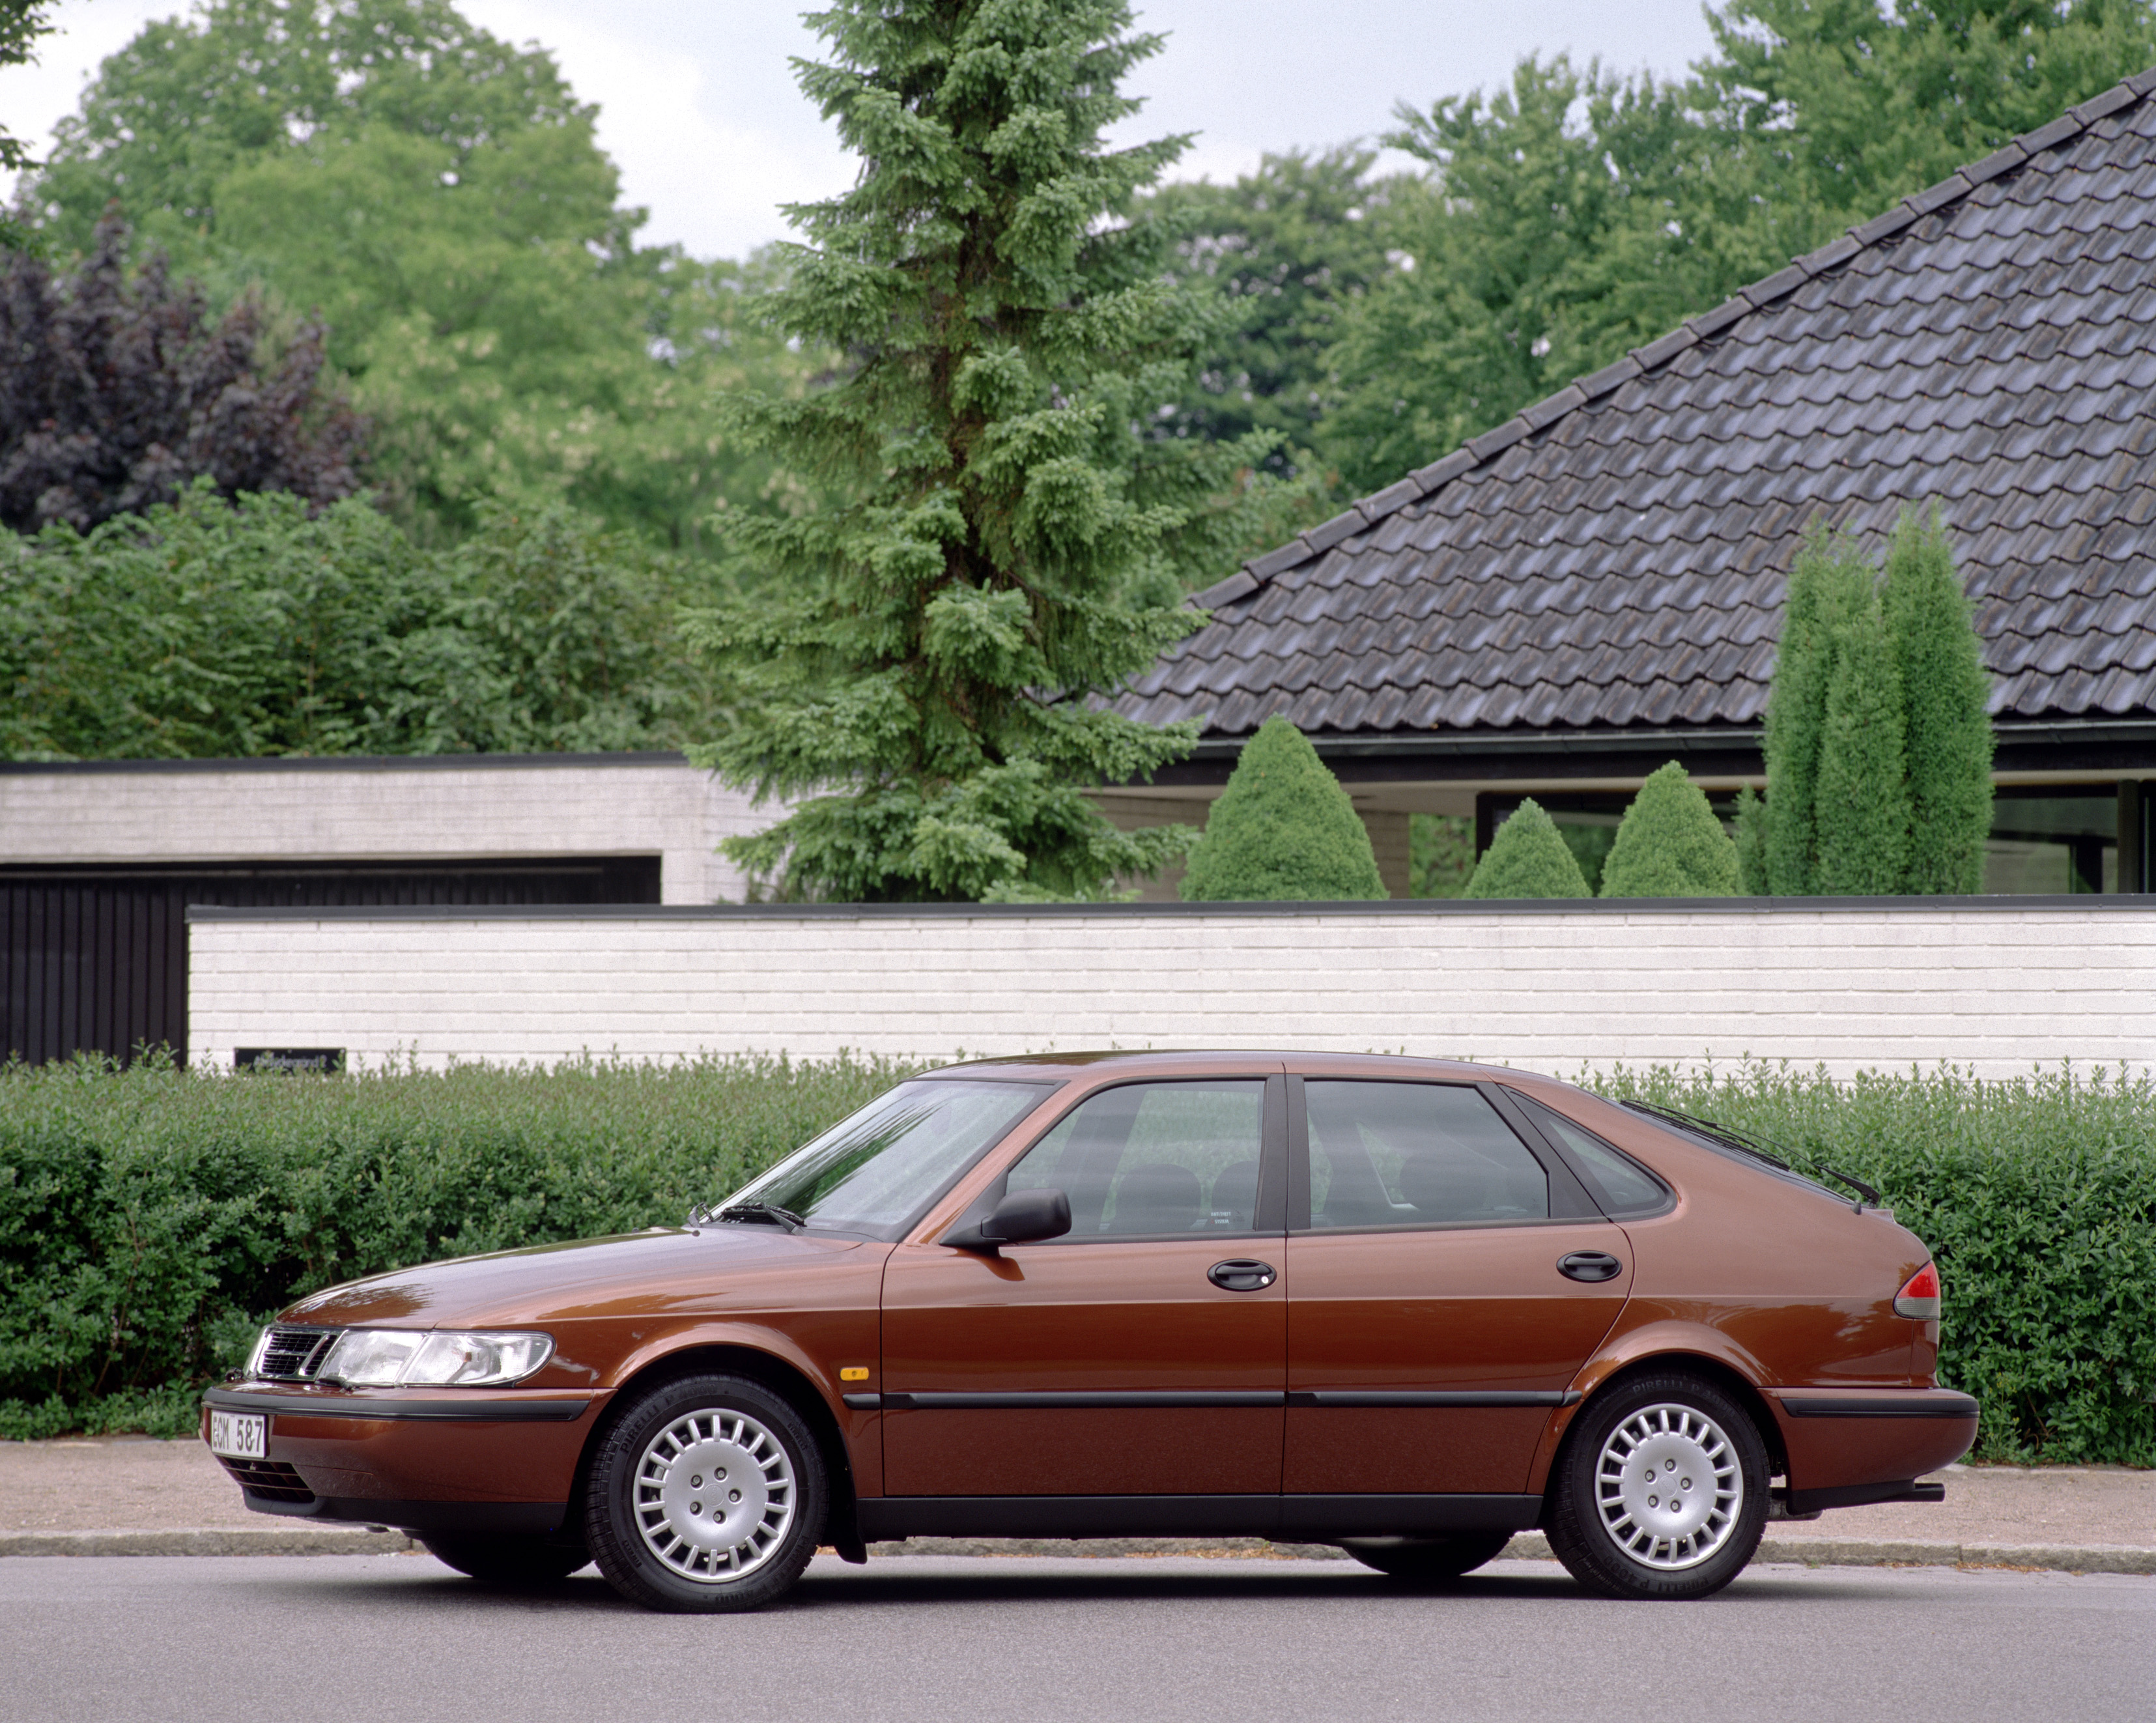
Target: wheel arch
1719, 1371
767, 1370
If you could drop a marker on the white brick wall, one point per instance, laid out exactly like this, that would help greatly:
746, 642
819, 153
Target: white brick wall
1998, 984
289, 810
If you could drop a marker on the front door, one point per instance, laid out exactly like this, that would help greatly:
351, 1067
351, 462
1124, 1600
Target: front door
1124, 1359
1431, 1333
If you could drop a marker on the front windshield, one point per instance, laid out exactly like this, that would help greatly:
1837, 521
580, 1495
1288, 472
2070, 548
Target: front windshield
876, 1172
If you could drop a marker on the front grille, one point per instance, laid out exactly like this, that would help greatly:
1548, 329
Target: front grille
273, 1479
294, 1354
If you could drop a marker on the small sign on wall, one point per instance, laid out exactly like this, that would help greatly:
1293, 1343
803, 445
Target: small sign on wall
288, 1058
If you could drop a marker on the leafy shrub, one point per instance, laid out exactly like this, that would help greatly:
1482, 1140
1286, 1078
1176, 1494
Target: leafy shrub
1282, 829
1670, 845
150, 1218
2038, 1197
1528, 858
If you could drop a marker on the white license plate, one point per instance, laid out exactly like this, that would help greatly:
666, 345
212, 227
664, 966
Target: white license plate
241, 1435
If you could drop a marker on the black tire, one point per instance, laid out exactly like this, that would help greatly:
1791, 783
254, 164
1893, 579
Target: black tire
507, 1560
1425, 1559
706, 1495
1641, 1442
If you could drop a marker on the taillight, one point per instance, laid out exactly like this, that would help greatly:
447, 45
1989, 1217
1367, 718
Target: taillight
1919, 1296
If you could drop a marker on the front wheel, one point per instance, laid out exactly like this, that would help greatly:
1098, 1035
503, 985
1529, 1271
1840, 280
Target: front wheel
1426, 1559
706, 1495
1661, 1490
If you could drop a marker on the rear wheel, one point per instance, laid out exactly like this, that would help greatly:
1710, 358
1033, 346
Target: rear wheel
508, 1559
1428, 1558
1661, 1490
706, 1494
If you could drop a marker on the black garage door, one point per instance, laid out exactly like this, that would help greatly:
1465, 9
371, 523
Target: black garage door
94, 959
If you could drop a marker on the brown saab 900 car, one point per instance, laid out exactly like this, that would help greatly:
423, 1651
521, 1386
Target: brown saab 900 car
1406, 1307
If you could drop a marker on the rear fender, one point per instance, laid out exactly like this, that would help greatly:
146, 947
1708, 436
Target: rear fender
1660, 1341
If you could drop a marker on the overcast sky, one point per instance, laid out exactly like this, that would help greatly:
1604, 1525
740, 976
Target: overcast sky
698, 107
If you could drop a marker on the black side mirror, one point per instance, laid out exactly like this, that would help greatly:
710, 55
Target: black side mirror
1019, 1218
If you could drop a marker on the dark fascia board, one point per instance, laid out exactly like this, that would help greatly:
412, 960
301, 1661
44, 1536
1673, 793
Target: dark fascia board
1541, 415
357, 763
1439, 742
1445, 744
2116, 904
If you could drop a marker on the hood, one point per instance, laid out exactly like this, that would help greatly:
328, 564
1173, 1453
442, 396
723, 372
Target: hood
666, 1270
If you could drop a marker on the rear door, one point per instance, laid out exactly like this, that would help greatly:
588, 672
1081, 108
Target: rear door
1121, 1359
1443, 1289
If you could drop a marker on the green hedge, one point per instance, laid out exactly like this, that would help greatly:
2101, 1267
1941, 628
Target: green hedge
2038, 1198
149, 1218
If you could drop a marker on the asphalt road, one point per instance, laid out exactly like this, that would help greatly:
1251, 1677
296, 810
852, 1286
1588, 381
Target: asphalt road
380, 1639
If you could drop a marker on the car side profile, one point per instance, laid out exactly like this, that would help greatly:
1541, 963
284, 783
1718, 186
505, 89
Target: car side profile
1408, 1307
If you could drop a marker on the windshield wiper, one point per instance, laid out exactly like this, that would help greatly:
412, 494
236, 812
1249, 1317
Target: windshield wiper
1745, 1144
761, 1214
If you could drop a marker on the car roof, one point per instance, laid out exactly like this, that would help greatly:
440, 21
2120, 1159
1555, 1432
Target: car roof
1189, 1062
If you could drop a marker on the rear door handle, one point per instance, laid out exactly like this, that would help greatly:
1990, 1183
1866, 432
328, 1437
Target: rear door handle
1590, 1265
1242, 1274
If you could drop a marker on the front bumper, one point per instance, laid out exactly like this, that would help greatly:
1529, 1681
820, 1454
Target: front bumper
440, 1460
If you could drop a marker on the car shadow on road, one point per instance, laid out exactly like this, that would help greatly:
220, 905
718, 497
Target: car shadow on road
917, 1582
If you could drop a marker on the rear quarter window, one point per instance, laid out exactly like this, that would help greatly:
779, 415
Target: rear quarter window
1620, 1185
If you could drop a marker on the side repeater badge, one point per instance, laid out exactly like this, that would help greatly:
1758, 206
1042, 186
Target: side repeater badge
853, 1373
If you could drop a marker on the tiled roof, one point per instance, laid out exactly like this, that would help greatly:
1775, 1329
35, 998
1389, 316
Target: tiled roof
1616, 554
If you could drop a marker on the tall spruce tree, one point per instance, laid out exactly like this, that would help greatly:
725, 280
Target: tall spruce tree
1829, 579
1013, 537
1945, 699
1862, 813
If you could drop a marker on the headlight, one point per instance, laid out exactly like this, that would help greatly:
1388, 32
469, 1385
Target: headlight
386, 1357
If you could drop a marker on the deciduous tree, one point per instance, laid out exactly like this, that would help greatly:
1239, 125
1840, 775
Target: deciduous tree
119, 391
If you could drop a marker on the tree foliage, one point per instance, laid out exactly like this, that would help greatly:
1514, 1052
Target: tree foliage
1527, 857
205, 629
1670, 845
438, 197
1282, 829
1878, 730
1574, 213
1011, 536
1862, 811
119, 392
22, 22
1945, 696
1829, 579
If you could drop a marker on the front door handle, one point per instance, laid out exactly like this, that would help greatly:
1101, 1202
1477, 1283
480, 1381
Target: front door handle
1242, 1274
1590, 1265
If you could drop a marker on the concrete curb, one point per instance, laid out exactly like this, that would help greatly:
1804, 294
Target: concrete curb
1528, 1546
213, 1541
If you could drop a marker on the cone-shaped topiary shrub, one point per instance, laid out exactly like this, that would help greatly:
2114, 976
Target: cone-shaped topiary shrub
1283, 828
1670, 845
1527, 859
1946, 738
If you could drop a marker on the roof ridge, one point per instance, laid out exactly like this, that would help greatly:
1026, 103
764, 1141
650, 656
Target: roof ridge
1836, 253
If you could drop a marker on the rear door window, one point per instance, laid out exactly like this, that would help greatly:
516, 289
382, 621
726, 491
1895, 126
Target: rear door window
1415, 1153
